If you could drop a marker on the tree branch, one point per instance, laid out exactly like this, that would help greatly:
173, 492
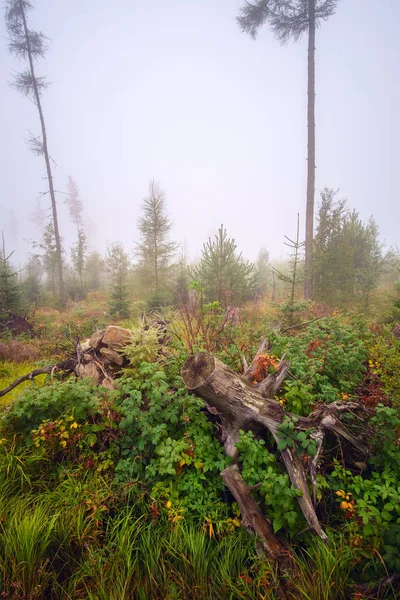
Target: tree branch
68, 366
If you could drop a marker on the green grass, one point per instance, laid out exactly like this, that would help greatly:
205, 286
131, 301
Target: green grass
53, 546
9, 372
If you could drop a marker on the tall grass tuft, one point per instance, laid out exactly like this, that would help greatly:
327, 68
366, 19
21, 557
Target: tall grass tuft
25, 540
324, 572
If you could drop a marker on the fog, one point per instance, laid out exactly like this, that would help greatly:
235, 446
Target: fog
173, 90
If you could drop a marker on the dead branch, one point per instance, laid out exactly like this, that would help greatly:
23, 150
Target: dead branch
66, 366
250, 370
271, 384
380, 589
301, 324
252, 517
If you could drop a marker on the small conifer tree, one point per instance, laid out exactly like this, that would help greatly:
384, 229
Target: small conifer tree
117, 262
223, 273
10, 289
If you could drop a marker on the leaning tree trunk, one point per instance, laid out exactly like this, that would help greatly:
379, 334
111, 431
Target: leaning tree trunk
308, 284
243, 405
61, 288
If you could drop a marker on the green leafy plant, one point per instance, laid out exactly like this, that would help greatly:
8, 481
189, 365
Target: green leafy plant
374, 503
290, 438
385, 449
384, 363
169, 443
328, 358
37, 404
391, 547
260, 468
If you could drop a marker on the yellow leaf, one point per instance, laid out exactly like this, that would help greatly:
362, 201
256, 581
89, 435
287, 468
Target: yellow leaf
210, 529
168, 504
236, 522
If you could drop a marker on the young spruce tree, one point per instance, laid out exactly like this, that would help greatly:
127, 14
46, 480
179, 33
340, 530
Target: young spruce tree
10, 289
47, 254
31, 281
294, 277
154, 250
117, 263
223, 273
94, 271
347, 254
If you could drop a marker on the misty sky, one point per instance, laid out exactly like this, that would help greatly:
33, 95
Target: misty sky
172, 90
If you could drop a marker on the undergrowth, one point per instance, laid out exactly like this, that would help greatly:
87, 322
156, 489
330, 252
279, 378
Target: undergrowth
117, 494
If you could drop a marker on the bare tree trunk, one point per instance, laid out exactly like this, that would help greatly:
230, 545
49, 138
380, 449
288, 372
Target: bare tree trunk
61, 288
273, 294
308, 285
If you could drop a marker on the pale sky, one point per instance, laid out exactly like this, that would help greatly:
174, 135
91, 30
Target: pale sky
172, 90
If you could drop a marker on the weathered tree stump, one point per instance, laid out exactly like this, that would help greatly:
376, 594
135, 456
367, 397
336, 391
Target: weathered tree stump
244, 406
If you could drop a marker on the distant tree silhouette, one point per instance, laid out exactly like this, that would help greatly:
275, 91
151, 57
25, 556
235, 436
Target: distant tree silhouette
290, 19
347, 254
79, 249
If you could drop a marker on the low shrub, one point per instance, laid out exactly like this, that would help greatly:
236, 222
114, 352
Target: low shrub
19, 352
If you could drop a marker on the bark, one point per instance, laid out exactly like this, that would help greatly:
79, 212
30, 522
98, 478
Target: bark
271, 384
242, 406
252, 517
308, 284
61, 288
250, 370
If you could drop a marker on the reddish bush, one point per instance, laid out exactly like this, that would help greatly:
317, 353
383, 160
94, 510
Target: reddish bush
15, 351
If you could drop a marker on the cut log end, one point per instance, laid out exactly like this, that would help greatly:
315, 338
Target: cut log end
197, 369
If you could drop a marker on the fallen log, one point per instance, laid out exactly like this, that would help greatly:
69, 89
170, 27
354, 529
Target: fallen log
243, 406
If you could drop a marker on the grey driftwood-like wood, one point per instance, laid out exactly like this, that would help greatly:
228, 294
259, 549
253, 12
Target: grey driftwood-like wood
242, 406
271, 384
252, 516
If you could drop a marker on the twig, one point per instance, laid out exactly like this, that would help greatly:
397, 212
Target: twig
301, 324
255, 487
79, 351
102, 369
